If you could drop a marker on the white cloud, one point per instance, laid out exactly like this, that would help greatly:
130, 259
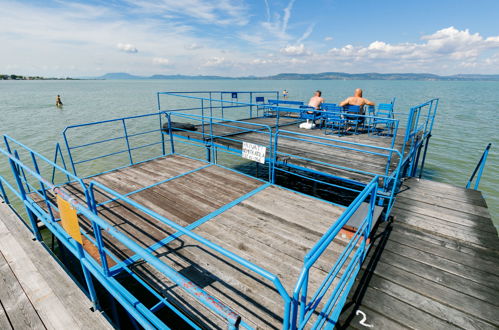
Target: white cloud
306, 34
216, 61
287, 15
295, 50
161, 61
449, 43
193, 46
220, 12
127, 48
328, 38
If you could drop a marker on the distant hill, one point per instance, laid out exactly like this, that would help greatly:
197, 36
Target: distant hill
320, 76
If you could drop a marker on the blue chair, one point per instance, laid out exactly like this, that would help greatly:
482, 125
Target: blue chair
384, 117
260, 104
333, 119
353, 115
310, 113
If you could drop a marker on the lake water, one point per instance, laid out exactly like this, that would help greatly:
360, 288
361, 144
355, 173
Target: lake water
467, 117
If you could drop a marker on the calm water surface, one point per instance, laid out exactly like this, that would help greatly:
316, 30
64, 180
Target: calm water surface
466, 121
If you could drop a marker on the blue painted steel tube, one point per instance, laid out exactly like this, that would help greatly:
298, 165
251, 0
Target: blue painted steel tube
4, 193
187, 285
155, 262
322, 244
15, 172
212, 303
479, 168
127, 141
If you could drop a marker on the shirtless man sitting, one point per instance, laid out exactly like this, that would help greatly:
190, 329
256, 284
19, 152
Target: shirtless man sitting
357, 99
316, 100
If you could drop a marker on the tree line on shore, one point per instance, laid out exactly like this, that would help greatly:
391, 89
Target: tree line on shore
19, 77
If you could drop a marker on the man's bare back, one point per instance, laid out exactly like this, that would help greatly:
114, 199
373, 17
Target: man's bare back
357, 99
316, 100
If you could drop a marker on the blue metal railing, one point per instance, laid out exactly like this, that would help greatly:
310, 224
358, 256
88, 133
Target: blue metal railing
349, 262
388, 177
226, 99
479, 168
102, 272
418, 132
125, 146
329, 297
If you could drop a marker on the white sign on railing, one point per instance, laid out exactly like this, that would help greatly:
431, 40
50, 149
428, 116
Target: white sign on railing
254, 152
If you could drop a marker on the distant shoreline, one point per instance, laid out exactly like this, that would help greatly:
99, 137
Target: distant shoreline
21, 77
281, 76
311, 76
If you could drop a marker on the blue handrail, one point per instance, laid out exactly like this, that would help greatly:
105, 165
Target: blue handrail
479, 168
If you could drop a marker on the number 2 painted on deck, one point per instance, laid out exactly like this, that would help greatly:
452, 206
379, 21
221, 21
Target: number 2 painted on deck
364, 319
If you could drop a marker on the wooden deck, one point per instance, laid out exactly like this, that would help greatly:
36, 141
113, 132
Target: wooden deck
436, 266
35, 291
357, 160
270, 226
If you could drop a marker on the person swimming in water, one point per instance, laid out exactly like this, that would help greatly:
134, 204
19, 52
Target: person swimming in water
58, 102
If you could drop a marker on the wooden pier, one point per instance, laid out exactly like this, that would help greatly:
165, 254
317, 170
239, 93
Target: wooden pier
270, 226
35, 291
435, 266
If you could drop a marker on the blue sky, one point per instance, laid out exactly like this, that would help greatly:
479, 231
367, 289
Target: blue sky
238, 38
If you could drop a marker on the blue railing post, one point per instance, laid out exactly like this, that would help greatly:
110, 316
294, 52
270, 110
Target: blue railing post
127, 141
98, 232
170, 133
479, 168
163, 147
69, 151
22, 192
58, 151
42, 186
251, 105
87, 275
4, 193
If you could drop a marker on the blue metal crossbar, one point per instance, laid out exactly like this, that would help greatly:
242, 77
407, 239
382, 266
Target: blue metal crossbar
479, 168
418, 133
386, 191
128, 148
349, 262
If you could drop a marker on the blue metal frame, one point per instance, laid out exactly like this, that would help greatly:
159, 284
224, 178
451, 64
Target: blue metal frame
103, 274
297, 308
479, 168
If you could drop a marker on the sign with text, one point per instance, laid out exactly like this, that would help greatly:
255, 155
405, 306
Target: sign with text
254, 152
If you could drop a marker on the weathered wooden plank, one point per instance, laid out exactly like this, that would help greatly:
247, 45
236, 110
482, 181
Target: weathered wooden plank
485, 230
442, 228
353, 315
401, 312
443, 188
472, 250
444, 199
453, 216
456, 299
18, 307
474, 261
4, 321
455, 318
473, 274
444, 278
236, 231
59, 302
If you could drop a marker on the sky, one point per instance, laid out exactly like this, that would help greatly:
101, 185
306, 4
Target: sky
241, 37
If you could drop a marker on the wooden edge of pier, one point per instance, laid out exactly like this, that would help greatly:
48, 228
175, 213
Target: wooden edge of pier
35, 291
434, 266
